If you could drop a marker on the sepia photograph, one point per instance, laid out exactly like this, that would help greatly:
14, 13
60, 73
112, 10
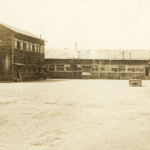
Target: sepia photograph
74, 75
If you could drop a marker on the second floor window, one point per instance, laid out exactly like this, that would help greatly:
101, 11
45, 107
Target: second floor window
139, 69
30, 47
33, 48
131, 69
114, 69
18, 45
41, 49
122, 69
15, 44
38, 49
24, 46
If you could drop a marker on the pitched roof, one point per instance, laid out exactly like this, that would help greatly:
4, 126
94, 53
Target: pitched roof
17, 30
97, 54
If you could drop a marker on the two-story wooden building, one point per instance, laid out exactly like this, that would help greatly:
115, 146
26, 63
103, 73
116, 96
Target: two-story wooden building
100, 64
21, 54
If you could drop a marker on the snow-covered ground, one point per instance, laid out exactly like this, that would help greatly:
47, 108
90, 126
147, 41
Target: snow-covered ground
75, 115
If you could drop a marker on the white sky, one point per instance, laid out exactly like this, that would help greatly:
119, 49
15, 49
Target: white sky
94, 24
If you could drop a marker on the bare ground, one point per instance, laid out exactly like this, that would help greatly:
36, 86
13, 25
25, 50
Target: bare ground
74, 115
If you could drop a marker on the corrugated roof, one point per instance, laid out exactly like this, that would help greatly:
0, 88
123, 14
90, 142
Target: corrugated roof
17, 30
97, 54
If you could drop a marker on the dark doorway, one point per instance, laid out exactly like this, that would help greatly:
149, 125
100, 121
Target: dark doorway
146, 71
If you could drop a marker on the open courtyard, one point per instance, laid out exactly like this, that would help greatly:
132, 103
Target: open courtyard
75, 115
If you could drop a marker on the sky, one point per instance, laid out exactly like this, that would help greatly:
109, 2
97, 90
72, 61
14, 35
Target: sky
93, 24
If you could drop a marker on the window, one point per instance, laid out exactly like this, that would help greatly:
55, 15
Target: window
122, 69
86, 69
94, 69
136, 69
114, 69
38, 48
15, 44
33, 48
30, 47
139, 69
105, 69
18, 45
131, 69
52, 68
41, 49
77, 68
24, 46
60, 67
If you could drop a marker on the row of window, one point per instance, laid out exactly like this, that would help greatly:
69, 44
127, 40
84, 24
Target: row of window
120, 69
30, 69
62, 68
88, 69
28, 46
128, 69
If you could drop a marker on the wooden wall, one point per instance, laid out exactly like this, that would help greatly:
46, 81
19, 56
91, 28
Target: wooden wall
5, 53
